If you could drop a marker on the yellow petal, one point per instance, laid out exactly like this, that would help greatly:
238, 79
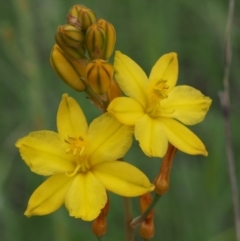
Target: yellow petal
151, 136
166, 68
45, 153
49, 196
182, 138
122, 178
131, 78
108, 138
185, 104
126, 110
86, 197
70, 118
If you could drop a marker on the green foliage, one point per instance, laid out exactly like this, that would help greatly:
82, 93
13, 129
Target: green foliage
198, 205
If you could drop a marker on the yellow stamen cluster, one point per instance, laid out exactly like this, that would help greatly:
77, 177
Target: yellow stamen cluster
77, 147
159, 91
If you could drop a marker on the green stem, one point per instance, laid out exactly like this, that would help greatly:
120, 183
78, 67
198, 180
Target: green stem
129, 231
226, 108
137, 221
95, 98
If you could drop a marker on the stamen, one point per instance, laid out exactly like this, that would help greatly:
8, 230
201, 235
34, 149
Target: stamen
159, 90
82, 151
74, 172
77, 148
75, 151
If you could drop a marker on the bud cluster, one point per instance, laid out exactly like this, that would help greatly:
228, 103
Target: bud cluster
80, 55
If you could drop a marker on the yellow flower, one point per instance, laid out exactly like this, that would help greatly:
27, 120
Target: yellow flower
82, 163
157, 108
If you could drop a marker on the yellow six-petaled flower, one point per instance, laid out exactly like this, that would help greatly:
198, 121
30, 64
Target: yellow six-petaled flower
157, 108
82, 163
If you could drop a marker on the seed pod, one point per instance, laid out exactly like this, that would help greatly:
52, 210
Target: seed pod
95, 41
99, 74
70, 71
99, 225
147, 226
110, 38
81, 17
162, 182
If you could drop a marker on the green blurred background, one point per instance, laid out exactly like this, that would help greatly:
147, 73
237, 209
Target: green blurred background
198, 205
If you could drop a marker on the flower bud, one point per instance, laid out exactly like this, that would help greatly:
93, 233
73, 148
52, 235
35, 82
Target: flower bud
147, 226
145, 201
99, 74
162, 180
81, 17
70, 71
147, 229
110, 38
99, 226
95, 41
74, 53
114, 90
71, 36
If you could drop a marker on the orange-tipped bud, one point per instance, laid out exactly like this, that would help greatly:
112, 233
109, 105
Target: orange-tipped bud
99, 74
99, 226
114, 90
110, 37
145, 201
71, 36
147, 229
95, 41
70, 71
81, 17
162, 180
74, 53
147, 226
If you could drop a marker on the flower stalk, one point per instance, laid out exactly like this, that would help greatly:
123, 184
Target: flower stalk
138, 220
225, 103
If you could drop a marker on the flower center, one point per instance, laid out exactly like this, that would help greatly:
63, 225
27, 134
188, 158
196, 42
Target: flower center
159, 90
77, 147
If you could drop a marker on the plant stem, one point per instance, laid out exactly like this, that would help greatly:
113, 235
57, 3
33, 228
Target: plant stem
225, 103
100, 238
137, 221
129, 231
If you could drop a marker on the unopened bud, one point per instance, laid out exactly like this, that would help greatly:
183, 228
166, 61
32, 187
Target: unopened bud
95, 41
71, 36
110, 38
147, 226
99, 74
70, 71
145, 201
147, 229
81, 17
74, 53
114, 90
99, 226
162, 180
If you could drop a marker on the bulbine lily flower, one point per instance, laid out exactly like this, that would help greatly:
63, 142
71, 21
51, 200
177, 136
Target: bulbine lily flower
157, 108
82, 163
